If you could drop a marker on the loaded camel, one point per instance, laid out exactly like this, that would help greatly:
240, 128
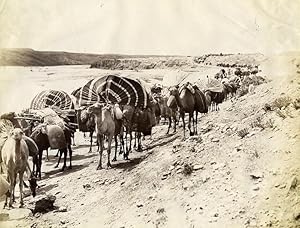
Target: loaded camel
189, 100
53, 136
106, 125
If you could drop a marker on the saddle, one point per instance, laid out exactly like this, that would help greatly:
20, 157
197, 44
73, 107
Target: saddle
187, 86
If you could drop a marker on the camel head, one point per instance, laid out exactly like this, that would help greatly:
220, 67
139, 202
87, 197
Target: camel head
8, 116
95, 108
174, 91
17, 134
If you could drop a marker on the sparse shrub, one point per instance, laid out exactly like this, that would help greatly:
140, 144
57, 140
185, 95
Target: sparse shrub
267, 107
280, 113
187, 169
243, 90
282, 102
258, 122
243, 132
296, 103
269, 123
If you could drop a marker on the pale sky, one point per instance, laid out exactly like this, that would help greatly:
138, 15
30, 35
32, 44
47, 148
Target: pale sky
183, 27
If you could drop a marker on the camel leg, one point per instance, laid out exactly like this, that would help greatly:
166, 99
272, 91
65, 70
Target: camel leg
59, 157
11, 190
73, 137
126, 146
122, 149
183, 123
125, 155
101, 142
8, 194
91, 142
174, 119
139, 141
116, 148
70, 155
196, 121
109, 138
65, 151
189, 124
39, 168
170, 123
135, 135
21, 188
130, 140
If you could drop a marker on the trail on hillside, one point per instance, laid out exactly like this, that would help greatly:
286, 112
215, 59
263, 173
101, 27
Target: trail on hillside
241, 170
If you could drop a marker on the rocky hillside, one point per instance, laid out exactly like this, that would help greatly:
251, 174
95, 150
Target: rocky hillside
230, 60
30, 57
242, 170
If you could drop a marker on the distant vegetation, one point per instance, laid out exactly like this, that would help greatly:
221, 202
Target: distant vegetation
30, 57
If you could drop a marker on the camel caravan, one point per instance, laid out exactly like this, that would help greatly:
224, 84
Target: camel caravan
113, 108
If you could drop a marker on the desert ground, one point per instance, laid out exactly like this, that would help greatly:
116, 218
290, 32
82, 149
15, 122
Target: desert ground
235, 181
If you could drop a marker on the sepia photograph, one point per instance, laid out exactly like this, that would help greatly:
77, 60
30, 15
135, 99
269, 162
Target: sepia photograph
149, 113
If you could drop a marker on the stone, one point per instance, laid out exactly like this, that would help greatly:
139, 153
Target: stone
297, 215
62, 209
197, 167
160, 210
45, 204
87, 186
139, 204
294, 183
20, 213
205, 179
179, 171
171, 167
215, 140
256, 175
255, 188
63, 221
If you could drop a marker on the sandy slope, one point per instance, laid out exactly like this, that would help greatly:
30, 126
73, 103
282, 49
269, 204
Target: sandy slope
236, 182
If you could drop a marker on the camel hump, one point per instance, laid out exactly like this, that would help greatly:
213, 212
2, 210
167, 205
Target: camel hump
187, 86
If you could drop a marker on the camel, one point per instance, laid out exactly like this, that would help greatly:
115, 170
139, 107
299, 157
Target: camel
170, 108
200, 104
186, 103
86, 122
140, 121
105, 126
189, 100
59, 138
15, 157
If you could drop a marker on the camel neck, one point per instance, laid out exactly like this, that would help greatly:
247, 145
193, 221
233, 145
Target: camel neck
178, 100
17, 147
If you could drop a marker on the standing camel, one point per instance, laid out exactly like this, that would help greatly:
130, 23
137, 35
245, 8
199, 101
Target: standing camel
86, 123
15, 157
105, 126
189, 99
186, 103
170, 108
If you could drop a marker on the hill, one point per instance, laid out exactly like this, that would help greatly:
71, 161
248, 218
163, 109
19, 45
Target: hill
30, 57
242, 170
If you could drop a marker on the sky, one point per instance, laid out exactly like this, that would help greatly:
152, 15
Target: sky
180, 27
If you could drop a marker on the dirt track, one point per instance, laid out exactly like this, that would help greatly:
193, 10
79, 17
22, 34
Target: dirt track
235, 182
